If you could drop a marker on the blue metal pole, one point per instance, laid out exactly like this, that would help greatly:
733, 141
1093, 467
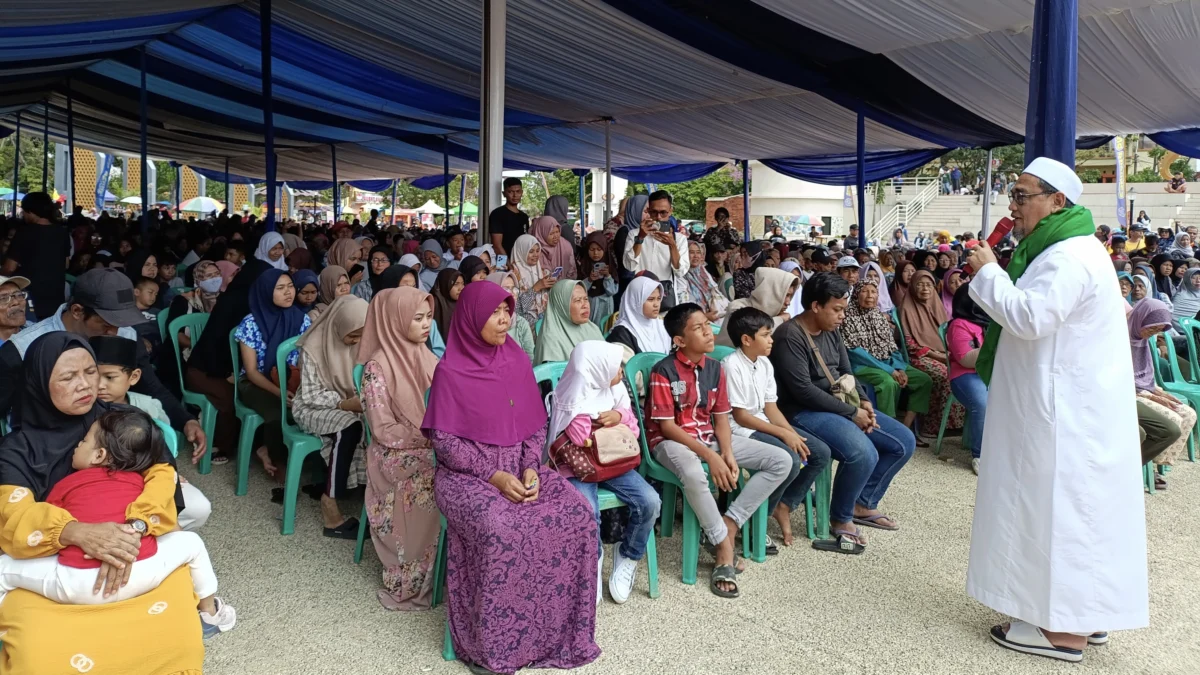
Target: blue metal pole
179, 189
142, 104
71, 144
746, 199
462, 196
580, 212
16, 163
395, 182
45, 145
264, 27
446, 179
337, 188
1053, 90
860, 179
228, 189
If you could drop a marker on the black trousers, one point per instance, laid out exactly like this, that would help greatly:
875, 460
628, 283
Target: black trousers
340, 458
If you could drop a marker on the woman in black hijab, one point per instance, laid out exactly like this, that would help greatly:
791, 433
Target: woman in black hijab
473, 268
211, 363
1164, 267
398, 275
60, 404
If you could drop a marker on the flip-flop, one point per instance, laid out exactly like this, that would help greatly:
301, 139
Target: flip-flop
1029, 639
1100, 638
844, 541
727, 574
347, 530
873, 521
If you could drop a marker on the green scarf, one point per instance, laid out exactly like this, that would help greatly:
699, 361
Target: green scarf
1059, 226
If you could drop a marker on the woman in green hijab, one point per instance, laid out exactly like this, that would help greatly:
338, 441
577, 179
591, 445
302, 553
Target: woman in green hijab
566, 322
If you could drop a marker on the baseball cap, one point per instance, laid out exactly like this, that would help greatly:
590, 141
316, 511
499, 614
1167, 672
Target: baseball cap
21, 282
1137, 226
110, 293
847, 261
821, 256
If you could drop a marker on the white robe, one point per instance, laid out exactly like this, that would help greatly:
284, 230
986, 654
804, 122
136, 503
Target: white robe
1059, 536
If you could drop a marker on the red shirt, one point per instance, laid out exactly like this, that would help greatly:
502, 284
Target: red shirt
98, 495
688, 393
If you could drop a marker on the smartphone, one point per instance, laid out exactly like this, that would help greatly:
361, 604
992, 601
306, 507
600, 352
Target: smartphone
600, 267
501, 260
557, 272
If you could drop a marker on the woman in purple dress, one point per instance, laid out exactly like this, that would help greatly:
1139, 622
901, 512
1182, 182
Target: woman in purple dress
522, 540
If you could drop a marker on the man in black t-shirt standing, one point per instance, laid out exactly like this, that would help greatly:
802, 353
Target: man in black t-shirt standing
41, 251
508, 222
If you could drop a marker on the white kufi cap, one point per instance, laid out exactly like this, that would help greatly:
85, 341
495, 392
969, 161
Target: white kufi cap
1061, 176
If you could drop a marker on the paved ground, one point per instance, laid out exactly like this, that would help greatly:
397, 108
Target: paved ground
304, 607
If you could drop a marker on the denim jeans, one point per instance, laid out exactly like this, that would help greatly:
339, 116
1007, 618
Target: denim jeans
867, 463
643, 502
800, 478
970, 391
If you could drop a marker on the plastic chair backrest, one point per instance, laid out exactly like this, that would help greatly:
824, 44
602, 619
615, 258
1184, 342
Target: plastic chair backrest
236, 356
1152, 346
194, 323
358, 376
1172, 360
1190, 326
550, 371
162, 324
641, 364
537, 327
281, 354
942, 334
900, 328
720, 352
170, 437
432, 452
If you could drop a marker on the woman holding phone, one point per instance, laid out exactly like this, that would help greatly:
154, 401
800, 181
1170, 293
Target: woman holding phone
533, 279
596, 268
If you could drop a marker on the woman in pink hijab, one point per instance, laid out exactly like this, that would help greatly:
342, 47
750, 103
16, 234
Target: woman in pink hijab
556, 250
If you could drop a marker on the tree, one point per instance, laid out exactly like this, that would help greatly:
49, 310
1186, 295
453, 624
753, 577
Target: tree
1182, 165
689, 197
1157, 153
30, 178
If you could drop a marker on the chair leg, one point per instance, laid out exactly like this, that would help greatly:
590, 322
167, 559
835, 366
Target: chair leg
439, 567
245, 450
666, 516
448, 642
808, 516
759, 532
652, 565
208, 420
291, 491
362, 535
824, 495
691, 544
937, 445
1148, 476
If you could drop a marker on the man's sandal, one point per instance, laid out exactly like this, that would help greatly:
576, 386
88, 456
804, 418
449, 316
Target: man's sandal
1029, 639
844, 541
723, 574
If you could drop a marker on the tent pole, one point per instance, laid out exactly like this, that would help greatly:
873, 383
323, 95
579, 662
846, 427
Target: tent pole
144, 173
1053, 87
446, 179
45, 145
395, 181
337, 188
462, 196
70, 148
16, 163
491, 114
580, 212
860, 179
179, 189
268, 108
987, 193
746, 199
608, 172
228, 189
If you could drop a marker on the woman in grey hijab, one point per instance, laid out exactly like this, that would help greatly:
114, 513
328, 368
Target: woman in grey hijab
557, 207
431, 265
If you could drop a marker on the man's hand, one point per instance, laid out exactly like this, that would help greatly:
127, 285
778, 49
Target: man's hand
609, 418
862, 418
796, 442
509, 486
900, 377
647, 227
983, 255
724, 478
195, 435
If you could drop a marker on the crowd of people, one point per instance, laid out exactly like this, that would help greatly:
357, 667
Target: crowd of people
771, 358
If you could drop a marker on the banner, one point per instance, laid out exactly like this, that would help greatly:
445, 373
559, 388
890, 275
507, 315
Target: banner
102, 181
1118, 144
847, 199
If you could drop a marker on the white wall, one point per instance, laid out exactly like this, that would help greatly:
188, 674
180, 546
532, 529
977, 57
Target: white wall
774, 194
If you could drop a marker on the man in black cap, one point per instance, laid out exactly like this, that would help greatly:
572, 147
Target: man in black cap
822, 260
41, 251
101, 303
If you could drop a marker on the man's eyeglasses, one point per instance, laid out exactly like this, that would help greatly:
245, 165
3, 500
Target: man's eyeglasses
654, 213
1020, 197
8, 298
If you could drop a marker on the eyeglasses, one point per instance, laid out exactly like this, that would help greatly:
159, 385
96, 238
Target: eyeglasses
657, 213
1020, 197
7, 298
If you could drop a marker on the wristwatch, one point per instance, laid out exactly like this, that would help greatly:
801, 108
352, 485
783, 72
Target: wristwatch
639, 240
139, 526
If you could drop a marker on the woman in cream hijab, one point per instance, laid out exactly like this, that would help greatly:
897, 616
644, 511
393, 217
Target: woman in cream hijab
773, 291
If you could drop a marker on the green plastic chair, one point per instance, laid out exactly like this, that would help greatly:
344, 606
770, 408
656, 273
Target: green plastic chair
169, 436
299, 443
161, 317
900, 328
181, 269
537, 327
950, 400
551, 372
1177, 385
672, 487
720, 352
362, 519
251, 421
194, 323
607, 323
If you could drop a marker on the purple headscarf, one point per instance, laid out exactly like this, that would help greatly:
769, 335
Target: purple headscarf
1148, 312
474, 379
947, 295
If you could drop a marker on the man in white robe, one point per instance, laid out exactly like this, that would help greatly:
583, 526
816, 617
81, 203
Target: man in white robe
1059, 536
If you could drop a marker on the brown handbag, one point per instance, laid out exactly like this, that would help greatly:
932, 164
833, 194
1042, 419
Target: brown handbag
844, 388
608, 453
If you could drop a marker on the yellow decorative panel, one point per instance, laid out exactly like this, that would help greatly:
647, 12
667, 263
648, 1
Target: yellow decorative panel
191, 184
85, 179
133, 174
241, 197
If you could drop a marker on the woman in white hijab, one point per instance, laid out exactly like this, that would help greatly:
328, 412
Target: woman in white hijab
591, 395
639, 326
271, 250
796, 306
773, 292
532, 278
487, 254
885, 300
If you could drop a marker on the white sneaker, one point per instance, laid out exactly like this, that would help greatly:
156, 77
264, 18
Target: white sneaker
975, 465
222, 621
620, 582
600, 577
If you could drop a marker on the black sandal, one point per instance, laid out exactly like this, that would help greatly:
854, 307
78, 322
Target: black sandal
347, 530
726, 574
844, 541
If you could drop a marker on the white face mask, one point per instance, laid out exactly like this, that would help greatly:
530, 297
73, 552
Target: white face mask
212, 285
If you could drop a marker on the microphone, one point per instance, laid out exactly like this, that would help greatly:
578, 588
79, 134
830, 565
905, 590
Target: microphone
999, 232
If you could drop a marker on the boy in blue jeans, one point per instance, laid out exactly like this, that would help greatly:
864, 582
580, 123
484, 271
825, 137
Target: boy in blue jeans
687, 427
752, 394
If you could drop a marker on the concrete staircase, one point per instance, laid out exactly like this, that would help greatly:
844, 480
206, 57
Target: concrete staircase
1190, 213
956, 214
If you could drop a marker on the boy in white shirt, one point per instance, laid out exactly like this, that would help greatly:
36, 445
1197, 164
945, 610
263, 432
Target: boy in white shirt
750, 379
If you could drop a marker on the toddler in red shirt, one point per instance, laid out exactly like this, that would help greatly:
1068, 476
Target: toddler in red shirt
108, 463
